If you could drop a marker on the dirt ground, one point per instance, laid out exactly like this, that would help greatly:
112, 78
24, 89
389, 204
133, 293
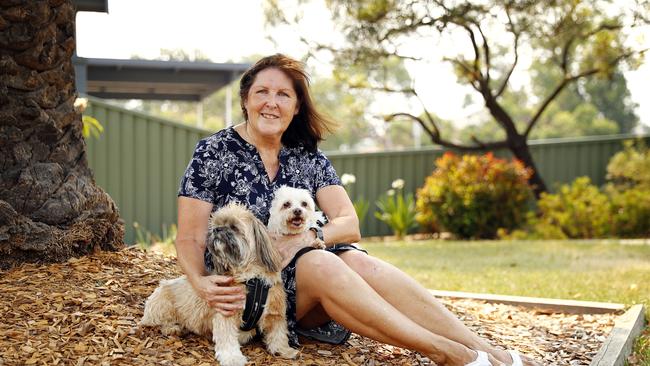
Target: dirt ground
85, 312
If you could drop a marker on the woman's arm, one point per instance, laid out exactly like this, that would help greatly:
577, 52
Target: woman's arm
193, 216
343, 225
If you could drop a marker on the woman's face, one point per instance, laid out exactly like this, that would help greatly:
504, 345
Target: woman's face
271, 103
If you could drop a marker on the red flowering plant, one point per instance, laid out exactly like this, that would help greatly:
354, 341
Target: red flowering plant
473, 196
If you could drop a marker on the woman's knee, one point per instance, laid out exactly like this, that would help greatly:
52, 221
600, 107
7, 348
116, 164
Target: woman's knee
362, 263
319, 264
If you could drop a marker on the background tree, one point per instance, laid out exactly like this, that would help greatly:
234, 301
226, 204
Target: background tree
50, 207
348, 108
576, 39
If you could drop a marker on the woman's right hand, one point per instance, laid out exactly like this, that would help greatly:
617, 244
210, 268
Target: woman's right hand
220, 293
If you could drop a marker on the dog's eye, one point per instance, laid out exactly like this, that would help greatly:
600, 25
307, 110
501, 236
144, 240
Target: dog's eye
233, 228
304, 204
286, 204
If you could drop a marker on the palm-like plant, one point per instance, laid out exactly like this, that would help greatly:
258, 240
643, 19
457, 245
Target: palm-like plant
396, 210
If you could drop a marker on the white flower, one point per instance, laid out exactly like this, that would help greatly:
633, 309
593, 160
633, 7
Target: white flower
348, 179
80, 104
398, 184
390, 192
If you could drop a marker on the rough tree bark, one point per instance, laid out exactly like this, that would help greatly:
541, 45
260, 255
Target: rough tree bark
50, 207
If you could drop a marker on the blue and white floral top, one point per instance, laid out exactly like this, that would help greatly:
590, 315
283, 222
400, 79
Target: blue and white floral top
226, 168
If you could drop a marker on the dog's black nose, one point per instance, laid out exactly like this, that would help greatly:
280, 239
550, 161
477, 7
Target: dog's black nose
297, 212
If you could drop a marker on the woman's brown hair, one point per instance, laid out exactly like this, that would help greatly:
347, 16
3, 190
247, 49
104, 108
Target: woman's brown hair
308, 126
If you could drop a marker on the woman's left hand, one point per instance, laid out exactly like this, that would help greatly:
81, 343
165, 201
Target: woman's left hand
289, 245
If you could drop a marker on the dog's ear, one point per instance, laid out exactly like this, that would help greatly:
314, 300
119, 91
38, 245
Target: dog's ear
266, 253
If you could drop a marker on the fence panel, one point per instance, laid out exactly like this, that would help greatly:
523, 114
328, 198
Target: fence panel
139, 160
558, 160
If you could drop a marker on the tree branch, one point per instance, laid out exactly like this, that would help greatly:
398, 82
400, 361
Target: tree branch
426, 113
504, 84
423, 22
486, 54
566, 81
467, 70
477, 55
435, 138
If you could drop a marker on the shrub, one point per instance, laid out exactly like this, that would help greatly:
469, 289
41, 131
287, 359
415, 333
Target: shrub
629, 190
396, 210
630, 211
473, 196
579, 210
582, 210
630, 167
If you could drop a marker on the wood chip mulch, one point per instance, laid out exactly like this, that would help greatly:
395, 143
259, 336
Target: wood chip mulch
85, 312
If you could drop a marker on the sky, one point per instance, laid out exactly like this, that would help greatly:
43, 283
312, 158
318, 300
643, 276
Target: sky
229, 30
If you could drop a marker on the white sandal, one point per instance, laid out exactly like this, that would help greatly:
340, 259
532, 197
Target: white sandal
516, 359
481, 360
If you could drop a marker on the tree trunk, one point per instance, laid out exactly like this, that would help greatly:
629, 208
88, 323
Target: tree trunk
517, 143
521, 151
50, 207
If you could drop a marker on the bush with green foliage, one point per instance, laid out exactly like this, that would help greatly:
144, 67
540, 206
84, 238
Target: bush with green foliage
629, 190
630, 212
579, 210
472, 196
582, 210
630, 167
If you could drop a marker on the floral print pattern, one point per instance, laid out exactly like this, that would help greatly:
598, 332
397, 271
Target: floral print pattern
225, 168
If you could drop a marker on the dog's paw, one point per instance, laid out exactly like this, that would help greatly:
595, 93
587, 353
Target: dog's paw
318, 244
231, 359
171, 329
245, 337
289, 353
284, 351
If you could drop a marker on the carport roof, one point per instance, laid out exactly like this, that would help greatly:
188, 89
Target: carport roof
150, 79
92, 5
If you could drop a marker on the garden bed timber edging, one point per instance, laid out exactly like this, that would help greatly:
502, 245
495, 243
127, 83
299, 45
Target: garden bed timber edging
618, 345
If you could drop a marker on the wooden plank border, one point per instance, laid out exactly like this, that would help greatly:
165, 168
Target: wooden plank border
618, 345
544, 304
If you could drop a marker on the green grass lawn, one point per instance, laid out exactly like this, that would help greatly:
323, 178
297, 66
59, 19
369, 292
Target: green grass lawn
578, 270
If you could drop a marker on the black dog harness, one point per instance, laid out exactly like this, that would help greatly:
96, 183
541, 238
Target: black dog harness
256, 293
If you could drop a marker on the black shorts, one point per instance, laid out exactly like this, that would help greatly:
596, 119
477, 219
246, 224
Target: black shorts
330, 332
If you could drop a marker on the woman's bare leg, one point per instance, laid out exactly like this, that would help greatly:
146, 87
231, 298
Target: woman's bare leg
323, 278
416, 302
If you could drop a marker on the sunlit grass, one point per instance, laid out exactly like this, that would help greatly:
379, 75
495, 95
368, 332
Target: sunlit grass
578, 270
595, 271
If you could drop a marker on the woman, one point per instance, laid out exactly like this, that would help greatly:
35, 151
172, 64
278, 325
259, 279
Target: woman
277, 145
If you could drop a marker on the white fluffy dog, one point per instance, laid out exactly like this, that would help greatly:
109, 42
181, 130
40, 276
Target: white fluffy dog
240, 247
293, 211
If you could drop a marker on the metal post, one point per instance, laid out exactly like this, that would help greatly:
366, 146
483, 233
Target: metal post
417, 134
228, 116
199, 113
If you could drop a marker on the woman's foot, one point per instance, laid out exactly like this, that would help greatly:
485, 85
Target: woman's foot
505, 358
471, 357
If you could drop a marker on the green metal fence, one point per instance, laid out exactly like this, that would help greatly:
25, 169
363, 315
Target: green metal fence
139, 160
558, 160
